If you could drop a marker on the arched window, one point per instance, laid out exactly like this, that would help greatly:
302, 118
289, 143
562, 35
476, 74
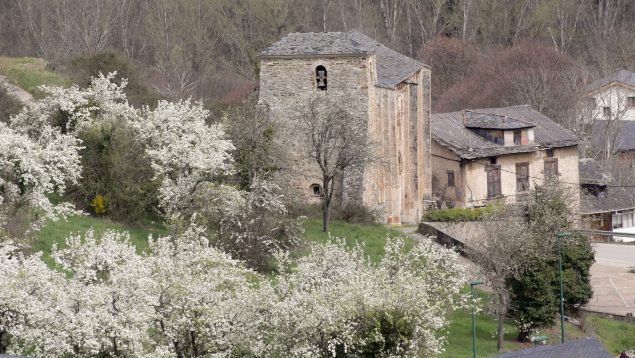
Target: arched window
320, 77
316, 189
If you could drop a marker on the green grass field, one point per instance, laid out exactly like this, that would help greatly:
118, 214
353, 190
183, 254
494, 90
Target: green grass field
56, 232
29, 73
372, 236
616, 335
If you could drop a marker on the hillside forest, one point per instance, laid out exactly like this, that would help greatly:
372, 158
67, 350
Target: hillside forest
483, 53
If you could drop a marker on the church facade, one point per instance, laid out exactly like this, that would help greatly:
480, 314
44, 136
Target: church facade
392, 93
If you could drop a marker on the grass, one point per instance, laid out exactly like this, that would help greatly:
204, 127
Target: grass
56, 232
617, 336
372, 236
29, 73
460, 333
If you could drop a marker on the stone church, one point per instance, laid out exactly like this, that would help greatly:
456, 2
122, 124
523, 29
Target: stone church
390, 90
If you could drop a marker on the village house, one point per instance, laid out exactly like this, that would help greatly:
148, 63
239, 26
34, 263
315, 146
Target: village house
604, 204
498, 153
613, 97
389, 90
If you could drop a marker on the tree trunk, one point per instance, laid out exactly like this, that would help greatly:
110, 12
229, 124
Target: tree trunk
327, 192
326, 215
501, 331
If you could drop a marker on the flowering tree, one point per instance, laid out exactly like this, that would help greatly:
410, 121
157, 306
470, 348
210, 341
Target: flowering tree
334, 301
104, 308
72, 109
32, 168
188, 299
259, 227
186, 153
196, 287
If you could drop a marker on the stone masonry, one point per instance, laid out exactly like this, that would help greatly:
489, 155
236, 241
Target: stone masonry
390, 90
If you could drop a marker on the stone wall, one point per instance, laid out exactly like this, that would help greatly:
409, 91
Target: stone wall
398, 125
444, 161
471, 176
283, 84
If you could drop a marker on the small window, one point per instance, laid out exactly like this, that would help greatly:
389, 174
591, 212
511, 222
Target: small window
492, 160
518, 136
316, 189
522, 177
321, 78
631, 102
494, 182
606, 111
551, 167
617, 221
450, 178
550, 153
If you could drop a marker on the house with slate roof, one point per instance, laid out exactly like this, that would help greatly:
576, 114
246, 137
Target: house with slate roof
390, 91
604, 205
589, 347
489, 154
613, 97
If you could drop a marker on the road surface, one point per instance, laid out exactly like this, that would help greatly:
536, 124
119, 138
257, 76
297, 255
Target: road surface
613, 283
615, 254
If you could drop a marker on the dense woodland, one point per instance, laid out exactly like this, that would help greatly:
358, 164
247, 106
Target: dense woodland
208, 49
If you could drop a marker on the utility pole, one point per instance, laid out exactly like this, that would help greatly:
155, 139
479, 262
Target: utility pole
560, 236
472, 284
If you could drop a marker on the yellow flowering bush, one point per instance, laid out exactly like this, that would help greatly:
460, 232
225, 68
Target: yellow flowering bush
99, 204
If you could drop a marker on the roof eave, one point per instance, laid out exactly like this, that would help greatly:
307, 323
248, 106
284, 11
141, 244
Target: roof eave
288, 57
590, 91
393, 86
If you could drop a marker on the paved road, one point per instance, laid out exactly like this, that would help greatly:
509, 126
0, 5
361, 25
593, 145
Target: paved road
615, 254
613, 284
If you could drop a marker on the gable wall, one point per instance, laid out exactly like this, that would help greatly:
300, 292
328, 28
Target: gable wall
475, 185
283, 82
614, 96
400, 126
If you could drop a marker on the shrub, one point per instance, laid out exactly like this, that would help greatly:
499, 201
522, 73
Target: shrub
456, 214
259, 227
99, 204
357, 214
8, 105
82, 69
115, 166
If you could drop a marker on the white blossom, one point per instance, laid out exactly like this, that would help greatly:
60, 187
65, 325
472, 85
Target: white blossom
185, 151
33, 168
74, 108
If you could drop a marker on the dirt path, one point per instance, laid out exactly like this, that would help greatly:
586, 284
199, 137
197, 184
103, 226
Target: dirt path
16, 92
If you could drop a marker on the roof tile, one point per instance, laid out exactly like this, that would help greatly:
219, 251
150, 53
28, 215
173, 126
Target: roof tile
448, 129
392, 67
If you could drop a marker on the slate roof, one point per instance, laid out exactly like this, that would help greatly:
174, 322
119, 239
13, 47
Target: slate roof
591, 172
615, 198
392, 67
448, 129
621, 76
582, 348
625, 140
493, 121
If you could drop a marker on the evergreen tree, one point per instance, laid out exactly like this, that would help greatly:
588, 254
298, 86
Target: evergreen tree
536, 292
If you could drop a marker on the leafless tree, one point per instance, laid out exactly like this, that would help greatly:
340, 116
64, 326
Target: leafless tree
501, 256
336, 139
391, 11
566, 17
